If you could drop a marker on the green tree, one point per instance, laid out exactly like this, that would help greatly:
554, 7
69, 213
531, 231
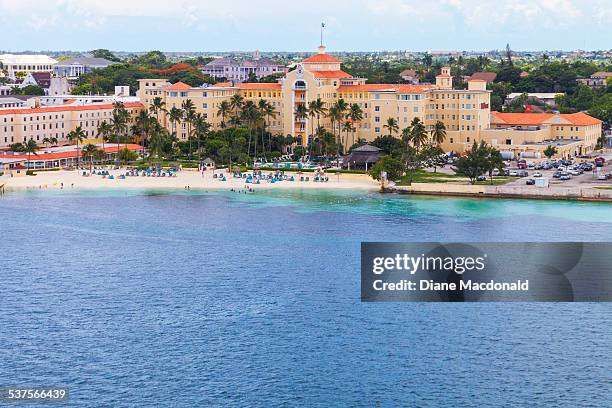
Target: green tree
392, 166
30, 147
89, 151
475, 163
106, 54
391, 126
224, 111
77, 136
550, 151
438, 133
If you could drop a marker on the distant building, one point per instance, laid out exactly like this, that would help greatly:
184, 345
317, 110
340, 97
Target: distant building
41, 79
547, 98
18, 66
597, 80
5, 90
240, 71
488, 77
410, 75
11, 102
75, 67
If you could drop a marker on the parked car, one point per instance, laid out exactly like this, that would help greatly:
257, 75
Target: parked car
537, 174
565, 176
481, 178
495, 172
600, 161
523, 173
574, 172
602, 176
557, 174
513, 173
530, 182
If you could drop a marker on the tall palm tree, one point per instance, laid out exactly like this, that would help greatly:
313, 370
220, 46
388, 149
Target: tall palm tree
30, 148
418, 133
224, 110
251, 116
77, 135
90, 151
157, 106
189, 111
301, 113
175, 115
104, 130
236, 103
46, 141
356, 115
143, 123
438, 133
348, 128
200, 131
270, 113
119, 124
317, 108
392, 126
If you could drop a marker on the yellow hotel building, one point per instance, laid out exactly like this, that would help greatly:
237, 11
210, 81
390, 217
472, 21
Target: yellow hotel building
465, 112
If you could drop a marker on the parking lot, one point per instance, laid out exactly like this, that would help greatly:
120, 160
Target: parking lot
567, 174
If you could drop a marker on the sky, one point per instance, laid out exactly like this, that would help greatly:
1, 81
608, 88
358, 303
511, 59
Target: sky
274, 25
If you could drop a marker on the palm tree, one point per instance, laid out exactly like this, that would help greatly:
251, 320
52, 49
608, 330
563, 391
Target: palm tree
175, 116
158, 105
29, 148
46, 141
200, 130
189, 111
143, 123
346, 127
335, 115
236, 103
391, 126
90, 151
104, 130
317, 107
77, 135
356, 115
438, 133
119, 124
418, 133
251, 116
224, 110
301, 113
270, 113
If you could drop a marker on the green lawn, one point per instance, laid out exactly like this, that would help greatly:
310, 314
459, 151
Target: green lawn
604, 188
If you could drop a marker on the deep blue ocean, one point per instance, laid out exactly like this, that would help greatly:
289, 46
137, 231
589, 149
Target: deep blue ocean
200, 299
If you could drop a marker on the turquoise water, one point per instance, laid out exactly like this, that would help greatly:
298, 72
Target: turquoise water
158, 298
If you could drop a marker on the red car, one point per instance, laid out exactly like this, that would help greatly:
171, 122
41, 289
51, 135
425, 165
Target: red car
600, 161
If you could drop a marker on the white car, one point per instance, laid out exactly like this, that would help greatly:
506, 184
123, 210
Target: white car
537, 174
574, 172
513, 173
602, 176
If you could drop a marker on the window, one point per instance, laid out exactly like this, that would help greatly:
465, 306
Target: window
377, 129
377, 119
377, 108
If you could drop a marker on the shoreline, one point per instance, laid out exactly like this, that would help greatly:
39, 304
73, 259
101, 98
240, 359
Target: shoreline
187, 180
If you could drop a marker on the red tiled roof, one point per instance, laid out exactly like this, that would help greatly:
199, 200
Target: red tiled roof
112, 148
601, 74
522, 118
403, 88
321, 58
581, 119
179, 86
533, 119
485, 76
64, 108
331, 74
258, 85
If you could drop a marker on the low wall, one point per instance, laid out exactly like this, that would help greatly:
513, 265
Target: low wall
467, 190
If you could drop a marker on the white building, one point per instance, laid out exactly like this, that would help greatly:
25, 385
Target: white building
17, 66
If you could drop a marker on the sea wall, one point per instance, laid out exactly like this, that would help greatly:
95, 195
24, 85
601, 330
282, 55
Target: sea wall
550, 193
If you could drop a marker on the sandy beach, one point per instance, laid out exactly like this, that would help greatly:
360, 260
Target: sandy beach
183, 179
